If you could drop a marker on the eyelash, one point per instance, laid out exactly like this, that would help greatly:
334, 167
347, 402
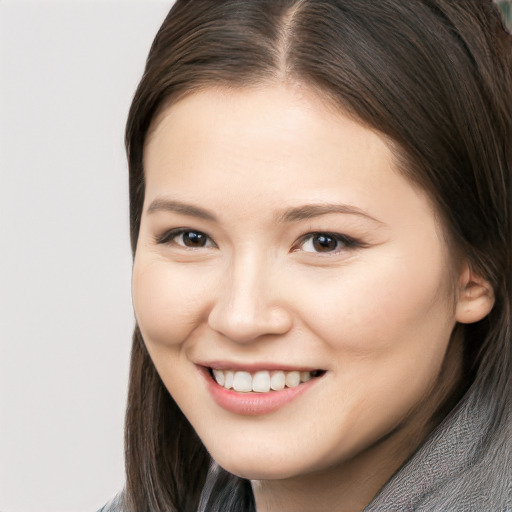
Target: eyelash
345, 241
169, 236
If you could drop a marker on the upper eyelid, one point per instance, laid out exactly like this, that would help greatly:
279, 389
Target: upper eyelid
329, 233
338, 236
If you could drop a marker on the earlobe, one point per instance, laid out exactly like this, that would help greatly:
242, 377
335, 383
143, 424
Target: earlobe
475, 297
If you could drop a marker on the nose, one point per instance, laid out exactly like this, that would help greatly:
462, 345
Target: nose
250, 303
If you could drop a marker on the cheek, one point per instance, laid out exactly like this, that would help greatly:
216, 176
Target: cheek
387, 306
168, 303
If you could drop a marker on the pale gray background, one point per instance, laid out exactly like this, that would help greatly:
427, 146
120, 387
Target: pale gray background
68, 70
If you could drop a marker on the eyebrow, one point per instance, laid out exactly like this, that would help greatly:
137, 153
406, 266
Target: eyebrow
293, 214
179, 207
310, 211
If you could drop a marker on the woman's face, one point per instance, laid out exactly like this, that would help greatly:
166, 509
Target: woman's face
277, 237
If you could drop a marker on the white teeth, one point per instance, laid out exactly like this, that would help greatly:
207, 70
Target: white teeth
242, 382
277, 382
260, 382
292, 379
219, 377
228, 379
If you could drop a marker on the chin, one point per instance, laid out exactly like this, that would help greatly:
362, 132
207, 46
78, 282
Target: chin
258, 472
250, 467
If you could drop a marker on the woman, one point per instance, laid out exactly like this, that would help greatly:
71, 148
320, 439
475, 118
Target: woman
321, 230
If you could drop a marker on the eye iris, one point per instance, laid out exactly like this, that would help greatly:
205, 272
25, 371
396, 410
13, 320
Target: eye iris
194, 239
324, 243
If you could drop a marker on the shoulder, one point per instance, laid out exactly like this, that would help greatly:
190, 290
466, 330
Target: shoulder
114, 505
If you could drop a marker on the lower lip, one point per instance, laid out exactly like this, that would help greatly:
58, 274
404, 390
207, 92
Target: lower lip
253, 404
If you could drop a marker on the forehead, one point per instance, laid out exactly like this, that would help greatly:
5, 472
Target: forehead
265, 130
258, 149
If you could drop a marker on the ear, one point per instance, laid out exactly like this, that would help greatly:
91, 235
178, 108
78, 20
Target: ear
475, 297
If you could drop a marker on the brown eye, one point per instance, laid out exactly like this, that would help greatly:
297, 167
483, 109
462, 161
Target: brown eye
192, 239
187, 238
325, 243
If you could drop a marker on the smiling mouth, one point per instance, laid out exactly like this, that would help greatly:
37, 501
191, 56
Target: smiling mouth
263, 381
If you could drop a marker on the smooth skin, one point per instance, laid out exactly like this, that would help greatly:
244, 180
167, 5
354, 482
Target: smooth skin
255, 177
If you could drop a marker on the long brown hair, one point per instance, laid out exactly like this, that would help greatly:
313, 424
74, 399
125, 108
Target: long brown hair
432, 76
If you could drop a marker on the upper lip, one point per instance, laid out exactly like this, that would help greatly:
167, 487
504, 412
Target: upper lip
255, 366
